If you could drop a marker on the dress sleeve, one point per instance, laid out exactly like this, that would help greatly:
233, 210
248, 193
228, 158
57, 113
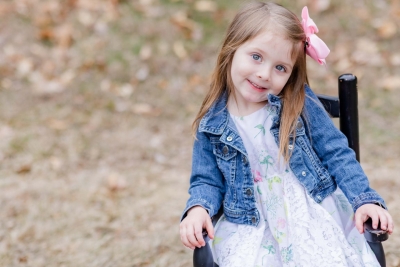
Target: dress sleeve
331, 147
206, 181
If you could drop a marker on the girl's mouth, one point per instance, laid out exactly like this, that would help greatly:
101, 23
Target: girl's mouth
256, 86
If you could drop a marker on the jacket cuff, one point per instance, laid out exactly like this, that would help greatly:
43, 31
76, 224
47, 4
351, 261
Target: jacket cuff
198, 202
368, 198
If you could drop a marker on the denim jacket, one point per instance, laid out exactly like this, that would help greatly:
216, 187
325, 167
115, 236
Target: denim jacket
321, 160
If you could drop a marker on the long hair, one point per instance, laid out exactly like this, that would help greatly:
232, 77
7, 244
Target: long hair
251, 20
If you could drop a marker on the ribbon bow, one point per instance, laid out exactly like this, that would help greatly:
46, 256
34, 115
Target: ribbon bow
315, 47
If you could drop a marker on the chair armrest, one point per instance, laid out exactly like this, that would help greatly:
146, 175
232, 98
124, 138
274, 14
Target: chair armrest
202, 257
374, 235
331, 104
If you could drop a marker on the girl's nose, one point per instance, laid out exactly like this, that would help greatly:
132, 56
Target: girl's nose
264, 74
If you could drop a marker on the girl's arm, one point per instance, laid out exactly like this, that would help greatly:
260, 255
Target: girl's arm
206, 180
331, 147
206, 191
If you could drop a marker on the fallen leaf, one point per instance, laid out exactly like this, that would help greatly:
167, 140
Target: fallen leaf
46, 34
391, 83
105, 85
125, 90
57, 124
24, 66
24, 169
180, 50
187, 25
63, 36
67, 77
116, 182
320, 5
142, 108
162, 84
387, 30
6, 8
85, 18
145, 52
195, 80
6, 132
343, 65
395, 9
23, 259
145, 109
205, 6
6, 83
160, 158
55, 163
395, 59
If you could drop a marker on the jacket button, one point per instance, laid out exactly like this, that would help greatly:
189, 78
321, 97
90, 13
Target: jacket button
244, 160
290, 147
229, 138
253, 219
249, 192
303, 173
225, 150
299, 125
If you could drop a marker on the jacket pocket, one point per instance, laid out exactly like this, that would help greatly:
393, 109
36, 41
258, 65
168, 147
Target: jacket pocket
226, 160
223, 151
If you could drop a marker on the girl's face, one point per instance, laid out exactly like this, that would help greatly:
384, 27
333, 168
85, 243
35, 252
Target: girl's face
260, 66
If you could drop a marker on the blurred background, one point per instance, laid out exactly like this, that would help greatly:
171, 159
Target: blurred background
97, 98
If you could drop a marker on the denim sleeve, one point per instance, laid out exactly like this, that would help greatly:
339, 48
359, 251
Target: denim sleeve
331, 146
206, 181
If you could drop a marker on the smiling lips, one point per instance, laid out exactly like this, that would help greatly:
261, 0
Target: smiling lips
256, 86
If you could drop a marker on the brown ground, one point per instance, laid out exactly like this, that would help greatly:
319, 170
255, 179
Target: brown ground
96, 102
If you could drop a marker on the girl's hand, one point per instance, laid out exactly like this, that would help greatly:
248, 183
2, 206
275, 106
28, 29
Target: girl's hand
191, 228
376, 213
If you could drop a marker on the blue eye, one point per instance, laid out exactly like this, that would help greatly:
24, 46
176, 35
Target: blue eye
256, 57
281, 68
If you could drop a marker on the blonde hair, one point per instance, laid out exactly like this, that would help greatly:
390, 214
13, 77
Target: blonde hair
251, 20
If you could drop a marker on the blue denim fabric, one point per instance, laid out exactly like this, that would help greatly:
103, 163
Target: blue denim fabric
321, 160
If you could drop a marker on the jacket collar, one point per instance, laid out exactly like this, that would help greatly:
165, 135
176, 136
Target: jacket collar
217, 117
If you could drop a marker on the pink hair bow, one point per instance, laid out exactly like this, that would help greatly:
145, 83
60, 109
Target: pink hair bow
315, 47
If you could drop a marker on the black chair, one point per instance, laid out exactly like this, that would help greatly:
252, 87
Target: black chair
344, 107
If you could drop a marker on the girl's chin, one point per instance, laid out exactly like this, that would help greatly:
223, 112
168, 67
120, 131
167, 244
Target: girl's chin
256, 102
256, 99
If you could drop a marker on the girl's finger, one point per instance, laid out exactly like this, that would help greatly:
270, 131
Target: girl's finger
191, 237
184, 239
198, 231
375, 220
383, 220
390, 224
359, 221
209, 228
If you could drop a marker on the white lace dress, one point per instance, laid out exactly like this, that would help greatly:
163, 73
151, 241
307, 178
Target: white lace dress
294, 230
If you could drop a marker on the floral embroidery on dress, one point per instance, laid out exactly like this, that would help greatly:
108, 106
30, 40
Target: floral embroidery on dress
266, 160
287, 254
257, 176
272, 180
271, 204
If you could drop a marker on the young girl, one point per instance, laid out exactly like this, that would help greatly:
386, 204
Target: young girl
267, 151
